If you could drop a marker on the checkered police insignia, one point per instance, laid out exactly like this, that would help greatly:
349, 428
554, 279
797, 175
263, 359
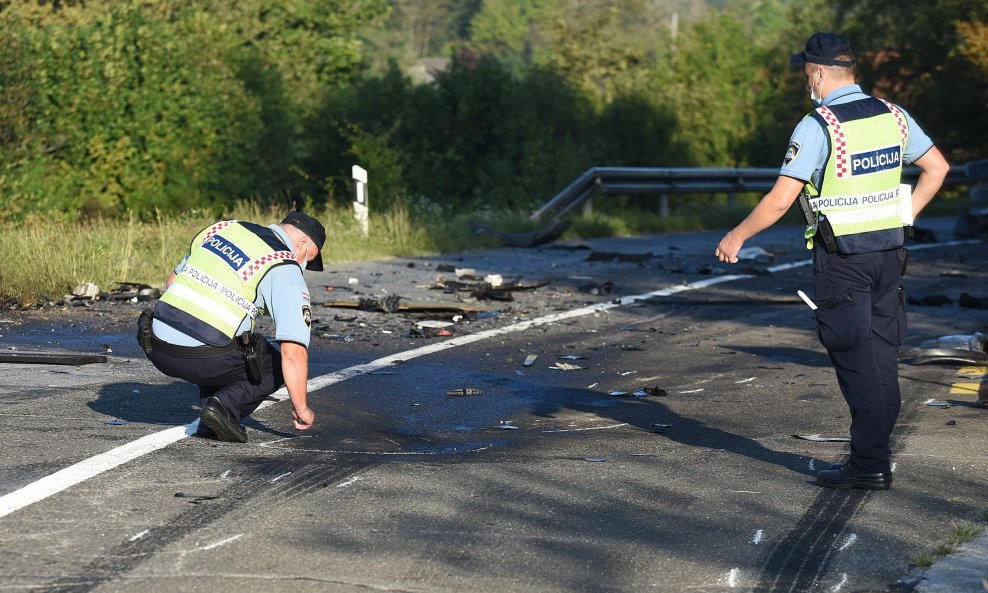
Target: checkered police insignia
307, 315
840, 142
219, 226
901, 121
255, 266
791, 153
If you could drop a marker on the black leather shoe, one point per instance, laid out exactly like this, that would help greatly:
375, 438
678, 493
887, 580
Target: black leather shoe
215, 416
205, 432
848, 477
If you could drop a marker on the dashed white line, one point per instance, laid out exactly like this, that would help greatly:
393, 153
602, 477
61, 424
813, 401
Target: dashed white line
222, 542
346, 483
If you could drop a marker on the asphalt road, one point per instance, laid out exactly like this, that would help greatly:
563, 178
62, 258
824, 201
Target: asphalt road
542, 482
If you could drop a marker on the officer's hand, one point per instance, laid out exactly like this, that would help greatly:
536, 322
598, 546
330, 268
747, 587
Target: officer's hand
728, 249
303, 419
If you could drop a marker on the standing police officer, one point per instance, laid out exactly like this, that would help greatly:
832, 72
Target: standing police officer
848, 153
201, 330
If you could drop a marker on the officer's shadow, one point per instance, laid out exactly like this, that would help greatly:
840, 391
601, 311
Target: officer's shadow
172, 404
650, 415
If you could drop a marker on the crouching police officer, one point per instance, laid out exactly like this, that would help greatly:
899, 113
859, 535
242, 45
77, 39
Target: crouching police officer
849, 153
201, 329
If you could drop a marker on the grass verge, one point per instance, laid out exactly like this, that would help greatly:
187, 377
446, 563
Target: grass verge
960, 533
47, 256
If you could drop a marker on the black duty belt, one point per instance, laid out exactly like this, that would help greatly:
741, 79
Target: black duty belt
190, 351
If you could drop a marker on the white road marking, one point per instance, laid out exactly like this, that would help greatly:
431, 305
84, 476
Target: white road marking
748, 380
732, 577
93, 466
346, 483
840, 585
759, 537
139, 535
280, 477
590, 428
222, 542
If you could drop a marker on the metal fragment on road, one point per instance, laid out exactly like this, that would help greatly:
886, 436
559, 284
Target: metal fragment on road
595, 459
571, 357
530, 359
463, 392
564, 366
818, 438
505, 425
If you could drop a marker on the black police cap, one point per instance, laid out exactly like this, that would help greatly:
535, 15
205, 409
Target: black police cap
314, 229
824, 48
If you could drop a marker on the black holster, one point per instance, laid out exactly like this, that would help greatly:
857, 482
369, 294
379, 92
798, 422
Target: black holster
824, 232
144, 330
247, 344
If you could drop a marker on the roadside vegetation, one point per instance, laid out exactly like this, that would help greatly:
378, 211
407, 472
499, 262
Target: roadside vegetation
960, 533
143, 120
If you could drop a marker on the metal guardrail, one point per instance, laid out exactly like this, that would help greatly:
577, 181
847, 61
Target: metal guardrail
664, 182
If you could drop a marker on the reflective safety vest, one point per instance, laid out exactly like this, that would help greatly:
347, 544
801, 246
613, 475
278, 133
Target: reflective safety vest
858, 195
215, 291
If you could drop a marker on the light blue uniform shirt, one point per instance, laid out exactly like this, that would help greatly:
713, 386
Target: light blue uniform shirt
282, 292
809, 145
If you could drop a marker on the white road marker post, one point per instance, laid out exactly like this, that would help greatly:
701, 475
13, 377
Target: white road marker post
360, 210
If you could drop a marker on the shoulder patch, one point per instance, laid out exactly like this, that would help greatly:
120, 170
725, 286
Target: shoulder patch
307, 315
791, 153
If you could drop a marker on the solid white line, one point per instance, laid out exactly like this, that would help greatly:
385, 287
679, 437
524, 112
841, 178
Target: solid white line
88, 468
93, 466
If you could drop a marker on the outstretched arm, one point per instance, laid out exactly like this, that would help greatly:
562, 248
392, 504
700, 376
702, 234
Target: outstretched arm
295, 366
768, 211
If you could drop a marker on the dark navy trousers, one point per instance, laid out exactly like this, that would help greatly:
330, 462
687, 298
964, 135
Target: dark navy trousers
225, 376
861, 321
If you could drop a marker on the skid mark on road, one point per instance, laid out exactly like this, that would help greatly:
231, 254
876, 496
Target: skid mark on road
135, 550
798, 560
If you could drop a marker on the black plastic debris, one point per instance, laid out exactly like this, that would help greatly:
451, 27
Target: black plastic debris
951, 423
972, 302
463, 392
929, 300
51, 358
195, 498
634, 258
387, 304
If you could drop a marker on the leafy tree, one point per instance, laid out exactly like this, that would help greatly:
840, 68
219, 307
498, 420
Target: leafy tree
914, 54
